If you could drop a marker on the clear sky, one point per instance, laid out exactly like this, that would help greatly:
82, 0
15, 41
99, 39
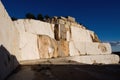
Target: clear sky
101, 16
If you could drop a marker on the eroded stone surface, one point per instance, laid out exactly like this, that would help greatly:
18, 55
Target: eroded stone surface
63, 48
47, 47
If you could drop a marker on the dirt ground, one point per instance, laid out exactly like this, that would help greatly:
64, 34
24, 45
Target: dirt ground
65, 70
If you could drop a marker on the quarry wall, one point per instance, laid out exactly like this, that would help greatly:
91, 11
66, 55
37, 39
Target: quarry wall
28, 39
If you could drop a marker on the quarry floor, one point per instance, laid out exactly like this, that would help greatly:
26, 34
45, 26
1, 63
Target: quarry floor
64, 70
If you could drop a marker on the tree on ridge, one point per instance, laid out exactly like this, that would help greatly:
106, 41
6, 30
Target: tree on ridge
40, 17
30, 16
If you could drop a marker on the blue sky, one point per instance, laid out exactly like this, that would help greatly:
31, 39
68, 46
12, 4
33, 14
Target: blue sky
101, 16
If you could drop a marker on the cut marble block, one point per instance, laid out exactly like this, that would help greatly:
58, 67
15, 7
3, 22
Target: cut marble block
47, 47
85, 48
81, 47
36, 27
63, 48
73, 50
80, 35
28, 46
96, 59
62, 31
98, 48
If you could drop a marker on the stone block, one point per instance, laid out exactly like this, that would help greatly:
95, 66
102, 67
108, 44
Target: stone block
71, 19
36, 27
96, 59
62, 32
63, 18
63, 48
81, 47
98, 48
80, 35
73, 50
94, 36
28, 46
47, 47
60, 21
88, 48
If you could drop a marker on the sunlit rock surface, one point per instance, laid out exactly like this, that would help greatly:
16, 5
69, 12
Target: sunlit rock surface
96, 59
9, 35
66, 38
9, 38
28, 39
47, 47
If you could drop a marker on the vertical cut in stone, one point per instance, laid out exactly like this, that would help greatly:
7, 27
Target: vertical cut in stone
56, 32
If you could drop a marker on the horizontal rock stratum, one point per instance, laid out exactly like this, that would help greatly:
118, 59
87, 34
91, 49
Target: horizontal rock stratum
28, 39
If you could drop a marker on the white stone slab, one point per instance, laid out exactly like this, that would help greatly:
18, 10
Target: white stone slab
86, 48
81, 47
73, 50
39, 27
80, 35
35, 27
96, 59
98, 48
28, 46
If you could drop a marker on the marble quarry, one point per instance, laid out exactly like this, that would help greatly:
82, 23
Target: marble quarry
28, 39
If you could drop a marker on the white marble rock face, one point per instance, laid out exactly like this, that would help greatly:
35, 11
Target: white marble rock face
27, 42
73, 50
79, 40
28, 46
98, 48
80, 35
96, 59
36, 27
8, 44
8, 33
28, 39
22, 38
